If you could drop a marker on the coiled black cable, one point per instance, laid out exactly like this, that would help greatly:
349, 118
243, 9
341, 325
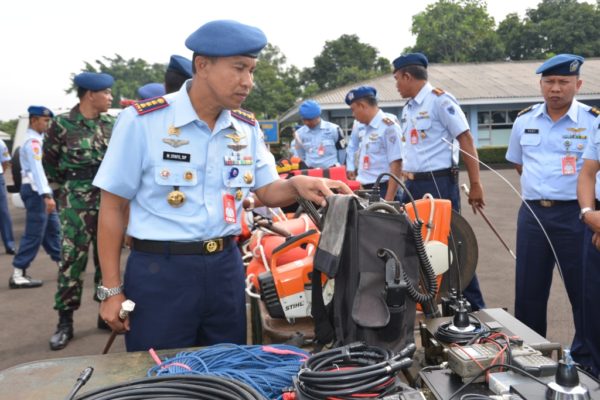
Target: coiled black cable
447, 333
351, 371
205, 387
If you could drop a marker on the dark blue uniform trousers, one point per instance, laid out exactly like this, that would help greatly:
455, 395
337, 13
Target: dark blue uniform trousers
5, 222
185, 300
535, 263
444, 187
591, 300
41, 228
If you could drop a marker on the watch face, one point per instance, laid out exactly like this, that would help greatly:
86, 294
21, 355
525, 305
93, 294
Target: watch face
101, 293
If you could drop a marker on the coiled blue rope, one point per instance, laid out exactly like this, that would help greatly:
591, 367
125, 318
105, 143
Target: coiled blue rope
268, 369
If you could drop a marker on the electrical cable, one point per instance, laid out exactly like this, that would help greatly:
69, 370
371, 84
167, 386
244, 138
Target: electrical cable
448, 333
176, 387
268, 369
356, 370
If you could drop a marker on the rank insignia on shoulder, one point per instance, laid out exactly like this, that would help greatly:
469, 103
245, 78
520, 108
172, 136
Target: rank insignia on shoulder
524, 111
595, 111
388, 121
244, 115
149, 105
438, 91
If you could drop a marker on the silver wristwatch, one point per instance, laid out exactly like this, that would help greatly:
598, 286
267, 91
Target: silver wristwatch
104, 293
584, 211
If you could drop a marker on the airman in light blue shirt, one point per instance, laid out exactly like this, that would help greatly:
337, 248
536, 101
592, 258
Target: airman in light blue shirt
319, 143
374, 143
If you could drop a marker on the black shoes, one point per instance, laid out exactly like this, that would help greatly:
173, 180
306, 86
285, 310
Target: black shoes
64, 331
11, 251
19, 280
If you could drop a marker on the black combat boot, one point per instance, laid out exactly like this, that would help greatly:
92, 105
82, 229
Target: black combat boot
64, 330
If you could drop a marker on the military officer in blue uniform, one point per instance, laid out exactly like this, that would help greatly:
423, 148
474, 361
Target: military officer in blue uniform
183, 164
588, 194
319, 143
433, 124
546, 146
374, 146
42, 227
6, 229
150, 90
178, 71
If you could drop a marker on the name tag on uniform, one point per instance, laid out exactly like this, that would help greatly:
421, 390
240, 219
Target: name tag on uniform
531, 130
167, 155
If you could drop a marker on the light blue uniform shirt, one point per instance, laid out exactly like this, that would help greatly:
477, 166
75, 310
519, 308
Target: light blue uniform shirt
4, 155
30, 157
317, 146
540, 146
434, 117
148, 155
379, 141
592, 151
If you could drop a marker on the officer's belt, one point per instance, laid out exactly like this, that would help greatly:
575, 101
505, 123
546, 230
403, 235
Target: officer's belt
82, 174
552, 203
202, 247
421, 176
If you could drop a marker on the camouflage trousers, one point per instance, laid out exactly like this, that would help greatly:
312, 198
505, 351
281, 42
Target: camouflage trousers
79, 229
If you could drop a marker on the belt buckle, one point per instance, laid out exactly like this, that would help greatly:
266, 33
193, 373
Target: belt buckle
546, 203
213, 245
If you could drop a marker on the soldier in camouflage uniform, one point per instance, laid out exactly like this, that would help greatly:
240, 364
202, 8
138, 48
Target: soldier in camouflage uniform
73, 151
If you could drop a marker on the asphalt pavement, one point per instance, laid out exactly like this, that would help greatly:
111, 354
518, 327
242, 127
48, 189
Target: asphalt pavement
28, 319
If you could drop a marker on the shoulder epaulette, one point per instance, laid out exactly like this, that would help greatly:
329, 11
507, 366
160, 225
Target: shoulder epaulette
595, 111
388, 121
438, 91
524, 111
244, 115
149, 105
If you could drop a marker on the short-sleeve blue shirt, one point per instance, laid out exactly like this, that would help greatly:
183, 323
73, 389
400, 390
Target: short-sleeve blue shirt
4, 154
168, 149
380, 141
317, 146
592, 151
30, 157
432, 115
541, 145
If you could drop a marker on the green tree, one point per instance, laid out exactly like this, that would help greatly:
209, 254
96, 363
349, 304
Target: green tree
9, 126
276, 86
342, 61
129, 75
456, 31
555, 26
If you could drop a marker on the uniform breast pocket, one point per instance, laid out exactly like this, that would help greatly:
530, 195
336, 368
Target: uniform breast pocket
171, 177
79, 146
375, 146
239, 176
530, 139
423, 124
328, 143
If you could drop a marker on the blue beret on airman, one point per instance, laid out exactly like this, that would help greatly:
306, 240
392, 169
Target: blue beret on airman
150, 90
310, 109
562, 64
410, 59
181, 65
94, 81
360, 92
41, 111
224, 38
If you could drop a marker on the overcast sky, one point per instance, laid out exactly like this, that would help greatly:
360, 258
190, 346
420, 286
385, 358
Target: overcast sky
43, 42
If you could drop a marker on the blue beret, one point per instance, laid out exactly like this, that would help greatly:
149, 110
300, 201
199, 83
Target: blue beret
93, 81
310, 109
181, 65
225, 38
360, 92
562, 64
149, 90
410, 59
41, 111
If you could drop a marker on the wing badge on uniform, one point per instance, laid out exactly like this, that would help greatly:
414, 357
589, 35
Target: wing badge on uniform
237, 147
175, 142
576, 130
235, 136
